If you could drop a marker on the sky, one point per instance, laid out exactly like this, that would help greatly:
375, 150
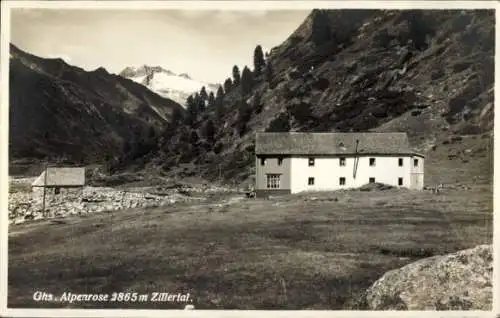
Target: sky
204, 44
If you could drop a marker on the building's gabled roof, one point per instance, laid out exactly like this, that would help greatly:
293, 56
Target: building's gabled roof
61, 177
293, 143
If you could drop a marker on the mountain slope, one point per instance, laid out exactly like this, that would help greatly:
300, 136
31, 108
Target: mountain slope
425, 72
61, 111
166, 83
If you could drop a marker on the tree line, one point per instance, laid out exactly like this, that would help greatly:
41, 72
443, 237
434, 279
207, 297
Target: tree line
204, 110
245, 81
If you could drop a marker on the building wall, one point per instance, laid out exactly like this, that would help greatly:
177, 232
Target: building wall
327, 172
271, 167
417, 173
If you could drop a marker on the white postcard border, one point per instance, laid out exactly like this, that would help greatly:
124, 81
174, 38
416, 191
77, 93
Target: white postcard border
6, 5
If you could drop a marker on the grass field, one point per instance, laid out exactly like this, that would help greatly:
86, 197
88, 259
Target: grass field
315, 251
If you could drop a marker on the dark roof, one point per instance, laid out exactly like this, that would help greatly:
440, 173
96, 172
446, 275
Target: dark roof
293, 143
63, 177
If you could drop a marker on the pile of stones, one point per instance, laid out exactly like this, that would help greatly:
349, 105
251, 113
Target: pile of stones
25, 206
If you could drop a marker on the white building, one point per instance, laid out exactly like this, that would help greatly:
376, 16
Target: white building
295, 162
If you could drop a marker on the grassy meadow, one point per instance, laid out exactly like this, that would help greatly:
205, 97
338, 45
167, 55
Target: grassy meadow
314, 251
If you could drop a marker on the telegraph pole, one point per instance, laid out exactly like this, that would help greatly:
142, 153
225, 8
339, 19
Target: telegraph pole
355, 159
44, 189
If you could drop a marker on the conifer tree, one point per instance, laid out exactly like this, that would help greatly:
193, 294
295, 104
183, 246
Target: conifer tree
219, 103
236, 75
211, 101
219, 96
258, 60
228, 84
200, 103
192, 109
203, 93
246, 81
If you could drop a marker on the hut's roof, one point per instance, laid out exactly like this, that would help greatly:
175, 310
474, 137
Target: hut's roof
61, 177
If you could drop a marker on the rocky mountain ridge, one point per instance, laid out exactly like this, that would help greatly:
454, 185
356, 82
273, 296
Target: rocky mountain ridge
58, 111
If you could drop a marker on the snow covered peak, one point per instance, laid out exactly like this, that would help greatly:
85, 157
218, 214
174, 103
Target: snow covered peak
143, 70
166, 83
185, 75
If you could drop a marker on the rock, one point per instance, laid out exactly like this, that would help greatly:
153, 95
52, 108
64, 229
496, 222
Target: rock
375, 186
457, 281
28, 216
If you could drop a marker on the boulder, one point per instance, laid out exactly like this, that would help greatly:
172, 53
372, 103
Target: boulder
457, 281
19, 221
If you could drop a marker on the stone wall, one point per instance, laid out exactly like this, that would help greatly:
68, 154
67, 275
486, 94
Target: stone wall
54, 195
28, 205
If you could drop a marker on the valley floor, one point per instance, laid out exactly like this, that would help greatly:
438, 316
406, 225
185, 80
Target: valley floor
314, 251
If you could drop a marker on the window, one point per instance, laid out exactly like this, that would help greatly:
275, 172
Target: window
372, 162
311, 162
400, 162
372, 180
310, 181
400, 181
342, 161
280, 161
262, 161
415, 162
273, 181
57, 190
342, 181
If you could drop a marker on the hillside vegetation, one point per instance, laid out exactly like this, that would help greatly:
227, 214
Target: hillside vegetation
428, 73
